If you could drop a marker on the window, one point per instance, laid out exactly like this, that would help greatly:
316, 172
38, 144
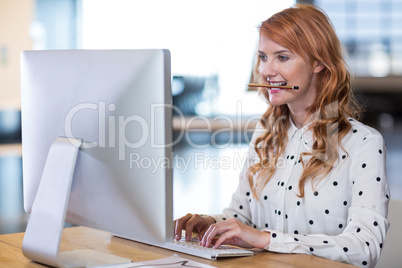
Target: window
206, 38
371, 32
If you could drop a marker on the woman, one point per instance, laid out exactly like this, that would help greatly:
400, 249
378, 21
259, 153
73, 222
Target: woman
315, 179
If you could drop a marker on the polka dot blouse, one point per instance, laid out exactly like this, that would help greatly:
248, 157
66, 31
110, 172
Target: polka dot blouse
342, 218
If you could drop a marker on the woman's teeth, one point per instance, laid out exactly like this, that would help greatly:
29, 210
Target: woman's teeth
278, 84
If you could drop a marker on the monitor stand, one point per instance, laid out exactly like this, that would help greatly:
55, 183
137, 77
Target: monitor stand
45, 227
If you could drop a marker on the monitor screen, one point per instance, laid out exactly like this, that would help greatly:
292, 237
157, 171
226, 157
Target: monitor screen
118, 102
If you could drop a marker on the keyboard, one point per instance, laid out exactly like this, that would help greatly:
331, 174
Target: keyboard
191, 247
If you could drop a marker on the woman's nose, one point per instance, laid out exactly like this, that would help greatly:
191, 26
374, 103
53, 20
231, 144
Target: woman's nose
269, 70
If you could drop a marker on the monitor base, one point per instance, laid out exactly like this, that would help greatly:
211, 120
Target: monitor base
45, 227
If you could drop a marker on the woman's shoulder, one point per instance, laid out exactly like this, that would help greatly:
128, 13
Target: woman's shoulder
362, 128
361, 132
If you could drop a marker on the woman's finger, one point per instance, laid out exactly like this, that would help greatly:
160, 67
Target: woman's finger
180, 224
233, 233
195, 221
216, 229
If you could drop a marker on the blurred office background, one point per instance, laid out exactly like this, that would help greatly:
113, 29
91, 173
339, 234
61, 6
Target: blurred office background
213, 44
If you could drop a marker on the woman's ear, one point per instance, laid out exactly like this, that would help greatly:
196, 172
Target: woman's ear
318, 67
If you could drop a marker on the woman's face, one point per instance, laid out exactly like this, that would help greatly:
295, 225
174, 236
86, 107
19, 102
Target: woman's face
280, 66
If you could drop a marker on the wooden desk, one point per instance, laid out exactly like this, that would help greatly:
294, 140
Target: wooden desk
87, 238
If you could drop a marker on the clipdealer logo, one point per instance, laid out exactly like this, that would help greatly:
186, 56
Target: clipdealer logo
111, 133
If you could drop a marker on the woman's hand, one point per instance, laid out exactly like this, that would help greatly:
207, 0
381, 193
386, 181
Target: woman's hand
236, 233
192, 223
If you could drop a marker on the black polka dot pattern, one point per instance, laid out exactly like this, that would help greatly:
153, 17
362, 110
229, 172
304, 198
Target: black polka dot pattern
326, 201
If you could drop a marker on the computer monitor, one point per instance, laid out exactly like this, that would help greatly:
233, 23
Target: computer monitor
118, 102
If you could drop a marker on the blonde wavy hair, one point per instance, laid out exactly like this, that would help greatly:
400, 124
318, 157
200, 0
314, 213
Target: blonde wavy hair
307, 31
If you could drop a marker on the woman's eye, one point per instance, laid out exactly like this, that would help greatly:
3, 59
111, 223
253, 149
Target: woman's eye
283, 57
263, 57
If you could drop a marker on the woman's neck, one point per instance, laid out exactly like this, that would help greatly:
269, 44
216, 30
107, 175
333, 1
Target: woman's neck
298, 118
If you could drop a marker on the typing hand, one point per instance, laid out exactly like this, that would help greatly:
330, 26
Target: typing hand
192, 223
236, 233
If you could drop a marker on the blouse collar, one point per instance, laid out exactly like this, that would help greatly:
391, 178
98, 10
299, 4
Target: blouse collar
305, 134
